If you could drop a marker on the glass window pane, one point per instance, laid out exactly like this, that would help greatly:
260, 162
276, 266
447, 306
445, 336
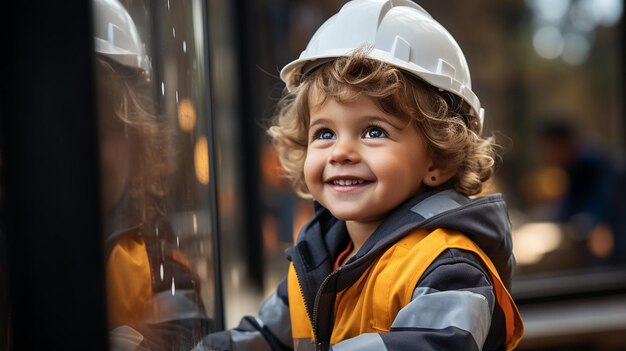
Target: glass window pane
154, 153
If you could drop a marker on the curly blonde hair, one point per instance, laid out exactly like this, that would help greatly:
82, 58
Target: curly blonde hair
450, 131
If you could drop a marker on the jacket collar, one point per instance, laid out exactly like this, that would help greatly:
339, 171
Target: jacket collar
484, 220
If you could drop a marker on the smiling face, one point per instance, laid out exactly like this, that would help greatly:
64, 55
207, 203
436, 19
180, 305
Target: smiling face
361, 162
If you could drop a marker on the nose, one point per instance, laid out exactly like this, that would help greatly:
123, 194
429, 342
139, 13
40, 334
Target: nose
345, 151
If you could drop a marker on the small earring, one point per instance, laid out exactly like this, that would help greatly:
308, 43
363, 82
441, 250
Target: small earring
433, 178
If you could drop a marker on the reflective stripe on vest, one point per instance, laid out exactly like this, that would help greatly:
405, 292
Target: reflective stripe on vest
372, 303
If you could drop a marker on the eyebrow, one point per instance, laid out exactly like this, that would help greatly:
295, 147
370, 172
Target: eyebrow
398, 123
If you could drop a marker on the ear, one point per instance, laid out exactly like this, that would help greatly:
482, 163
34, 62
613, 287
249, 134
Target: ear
435, 175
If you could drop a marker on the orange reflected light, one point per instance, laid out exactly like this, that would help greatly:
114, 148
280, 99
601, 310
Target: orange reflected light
533, 240
545, 185
186, 115
201, 158
552, 182
601, 243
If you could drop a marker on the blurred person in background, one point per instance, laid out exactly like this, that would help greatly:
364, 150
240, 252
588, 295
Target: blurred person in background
588, 203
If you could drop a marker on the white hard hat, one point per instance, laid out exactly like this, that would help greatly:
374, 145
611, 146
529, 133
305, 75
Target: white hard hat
400, 33
116, 35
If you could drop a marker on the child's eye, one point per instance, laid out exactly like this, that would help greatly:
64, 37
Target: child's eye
325, 134
375, 132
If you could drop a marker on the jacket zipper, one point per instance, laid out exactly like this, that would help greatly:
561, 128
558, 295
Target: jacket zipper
320, 346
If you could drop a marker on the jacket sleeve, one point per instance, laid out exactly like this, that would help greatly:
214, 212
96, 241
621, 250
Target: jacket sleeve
270, 331
453, 308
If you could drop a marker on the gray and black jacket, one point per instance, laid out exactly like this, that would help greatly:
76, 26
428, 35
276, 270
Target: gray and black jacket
457, 284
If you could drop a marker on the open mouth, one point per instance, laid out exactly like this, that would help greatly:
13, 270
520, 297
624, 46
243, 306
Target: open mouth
347, 182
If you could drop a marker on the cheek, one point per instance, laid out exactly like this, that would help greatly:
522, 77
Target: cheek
397, 173
313, 169
403, 172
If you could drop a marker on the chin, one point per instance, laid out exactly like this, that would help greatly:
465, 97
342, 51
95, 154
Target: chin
350, 215
344, 215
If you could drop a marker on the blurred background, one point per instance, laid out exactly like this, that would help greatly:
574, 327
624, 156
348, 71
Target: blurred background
550, 75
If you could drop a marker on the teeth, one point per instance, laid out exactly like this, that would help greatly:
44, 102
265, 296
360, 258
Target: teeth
348, 182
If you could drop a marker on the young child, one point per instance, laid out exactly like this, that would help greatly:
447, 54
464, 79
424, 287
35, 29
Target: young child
380, 127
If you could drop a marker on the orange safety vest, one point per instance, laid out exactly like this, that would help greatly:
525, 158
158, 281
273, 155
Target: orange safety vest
372, 303
129, 281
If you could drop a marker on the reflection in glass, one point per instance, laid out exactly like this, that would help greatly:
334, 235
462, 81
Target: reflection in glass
156, 213
186, 115
202, 160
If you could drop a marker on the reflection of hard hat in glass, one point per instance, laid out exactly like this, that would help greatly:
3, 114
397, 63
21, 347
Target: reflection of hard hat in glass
116, 35
399, 33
